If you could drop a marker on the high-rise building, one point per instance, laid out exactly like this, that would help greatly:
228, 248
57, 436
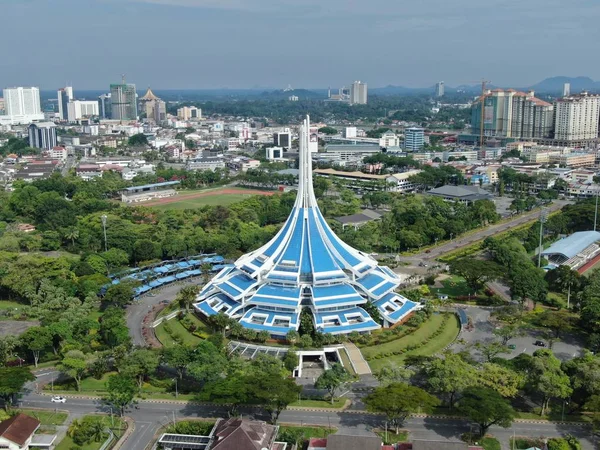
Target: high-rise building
104, 106
154, 108
510, 113
123, 101
189, 113
566, 89
577, 117
306, 267
414, 139
2, 110
42, 135
283, 139
80, 109
22, 104
439, 89
65, 95
358, 93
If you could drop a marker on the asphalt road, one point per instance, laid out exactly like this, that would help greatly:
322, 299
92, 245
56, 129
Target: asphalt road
486, 232
149, 417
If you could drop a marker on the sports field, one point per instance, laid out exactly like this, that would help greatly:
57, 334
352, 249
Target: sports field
224, 197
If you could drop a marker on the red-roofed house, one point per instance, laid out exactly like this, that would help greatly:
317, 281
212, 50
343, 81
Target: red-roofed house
17, 433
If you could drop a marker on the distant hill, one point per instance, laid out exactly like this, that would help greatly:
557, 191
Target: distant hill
555, 84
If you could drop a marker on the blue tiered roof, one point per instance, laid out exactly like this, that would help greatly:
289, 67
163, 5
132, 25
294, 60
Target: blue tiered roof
305, 266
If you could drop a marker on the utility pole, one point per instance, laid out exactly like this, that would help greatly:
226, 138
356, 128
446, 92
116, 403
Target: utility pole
596, 211
104, 217
543, 218
482, 118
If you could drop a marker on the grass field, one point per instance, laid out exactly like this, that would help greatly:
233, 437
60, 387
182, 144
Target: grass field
453, 287
46, 417
178, 330
9, 304
118, 429
449, 333
297, 435
209, 200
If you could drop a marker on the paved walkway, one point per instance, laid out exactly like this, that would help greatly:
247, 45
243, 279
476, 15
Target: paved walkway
358, 362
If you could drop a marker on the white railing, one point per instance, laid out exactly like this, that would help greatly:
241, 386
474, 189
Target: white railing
169, 316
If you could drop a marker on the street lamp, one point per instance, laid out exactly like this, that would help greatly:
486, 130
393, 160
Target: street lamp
176, 391
104, 217
543, 218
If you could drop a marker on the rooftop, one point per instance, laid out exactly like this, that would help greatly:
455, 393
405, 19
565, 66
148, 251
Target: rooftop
19, 428
240, 434
573, 244
470, 193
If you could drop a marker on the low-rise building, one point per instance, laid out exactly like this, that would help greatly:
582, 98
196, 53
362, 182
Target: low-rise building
463, 194
18, 433
389, 139
574, 159
400, 182
206, 163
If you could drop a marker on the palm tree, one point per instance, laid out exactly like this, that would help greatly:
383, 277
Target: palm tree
187, 296
72, 234
206, 270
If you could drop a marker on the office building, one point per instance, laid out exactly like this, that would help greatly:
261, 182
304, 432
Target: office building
358, 93
389, 140
81, 109
189, 113
154, 108
414, 139
65, 95
566, 89
123, 101
439, 89
2, 110
42, 135
283, 139
513, 114
305, 267
349, 132
577, 117
104, 106
22, 105
274, 153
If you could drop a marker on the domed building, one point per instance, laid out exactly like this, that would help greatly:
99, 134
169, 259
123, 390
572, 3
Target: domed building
305, 266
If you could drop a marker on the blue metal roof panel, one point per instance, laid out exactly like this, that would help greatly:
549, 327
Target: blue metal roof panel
574, 244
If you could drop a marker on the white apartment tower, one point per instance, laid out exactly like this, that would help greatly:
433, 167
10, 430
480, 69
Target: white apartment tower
576, 117
65, 95
23, 104
358, 93
439, 89
566, 89
80, 109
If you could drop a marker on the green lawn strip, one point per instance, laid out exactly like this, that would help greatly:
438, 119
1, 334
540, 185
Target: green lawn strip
390, 437
346, 361
118, 430
297, 435
454, 287
320, 403
9, 304
490, 443
46, 417
425, 330
177, 330
208, 200
449, 333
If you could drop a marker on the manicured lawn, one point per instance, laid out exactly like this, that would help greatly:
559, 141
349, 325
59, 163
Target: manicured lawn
118, 429
346, 361
9, 304
46, 417
454, 287
310, 403
449, 332
490, 443
178, 330
208, 200
297, 435
390, 437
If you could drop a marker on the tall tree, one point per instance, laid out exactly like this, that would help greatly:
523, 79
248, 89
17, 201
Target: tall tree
486, 407
75, 365
476, 272
333, 379
140, 364
274, 393
120, 392
450, 375
398, 400
187, 296
179, 357
503, 380
36, 340
547, 378
12, 381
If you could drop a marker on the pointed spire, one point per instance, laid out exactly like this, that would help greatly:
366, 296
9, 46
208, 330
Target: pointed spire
306, 196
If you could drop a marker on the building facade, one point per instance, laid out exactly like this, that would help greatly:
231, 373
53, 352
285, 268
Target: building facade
189, 113
513, 114
577, 117
439, 89
358, 93
123, 101
65, 95
81, 109
414, 139
22, 104
305, 266
104, 106
42, 135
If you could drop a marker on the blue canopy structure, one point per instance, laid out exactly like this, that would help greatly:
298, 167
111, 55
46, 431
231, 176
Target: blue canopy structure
305, 265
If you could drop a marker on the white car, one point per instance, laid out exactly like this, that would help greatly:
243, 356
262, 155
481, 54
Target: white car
57, 399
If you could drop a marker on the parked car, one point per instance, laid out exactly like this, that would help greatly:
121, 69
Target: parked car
540, 343
512, 346
58, 399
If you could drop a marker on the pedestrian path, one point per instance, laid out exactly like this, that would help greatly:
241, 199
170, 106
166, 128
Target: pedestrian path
356, 358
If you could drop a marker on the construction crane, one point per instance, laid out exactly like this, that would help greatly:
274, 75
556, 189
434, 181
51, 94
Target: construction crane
481, 121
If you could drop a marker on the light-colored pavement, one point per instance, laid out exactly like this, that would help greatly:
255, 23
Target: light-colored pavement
483, 331
358, 362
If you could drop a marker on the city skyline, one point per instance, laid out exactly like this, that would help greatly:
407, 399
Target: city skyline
346, 42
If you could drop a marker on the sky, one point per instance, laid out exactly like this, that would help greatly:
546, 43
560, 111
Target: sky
209, 44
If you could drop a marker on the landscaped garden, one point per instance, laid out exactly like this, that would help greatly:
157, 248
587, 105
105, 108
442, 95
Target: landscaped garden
91, 432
